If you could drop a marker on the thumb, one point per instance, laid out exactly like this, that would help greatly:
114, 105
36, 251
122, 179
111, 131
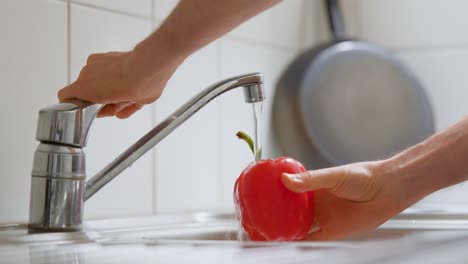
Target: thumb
357, 182
313, 180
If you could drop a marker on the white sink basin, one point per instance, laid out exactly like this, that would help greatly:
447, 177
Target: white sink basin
201, 237
225, 228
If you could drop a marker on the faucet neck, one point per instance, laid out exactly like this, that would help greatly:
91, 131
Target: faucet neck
253, 91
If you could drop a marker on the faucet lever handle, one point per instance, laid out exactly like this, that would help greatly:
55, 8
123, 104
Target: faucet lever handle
66, 123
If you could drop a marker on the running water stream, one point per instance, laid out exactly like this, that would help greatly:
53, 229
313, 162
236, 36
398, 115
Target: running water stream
257, 129
258, 149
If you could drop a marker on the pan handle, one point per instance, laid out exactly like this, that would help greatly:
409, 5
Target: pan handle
335, 18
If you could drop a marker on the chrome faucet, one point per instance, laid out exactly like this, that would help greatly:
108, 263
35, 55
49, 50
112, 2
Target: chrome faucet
58, 185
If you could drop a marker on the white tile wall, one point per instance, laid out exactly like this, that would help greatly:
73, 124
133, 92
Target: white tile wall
193, 168
141, 8
414, 23
32, 68
444, 75
162, 8
286, 32
277, 26
187, 161
131, 193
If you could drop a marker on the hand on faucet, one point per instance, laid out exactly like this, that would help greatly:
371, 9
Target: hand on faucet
115, 79
125, 81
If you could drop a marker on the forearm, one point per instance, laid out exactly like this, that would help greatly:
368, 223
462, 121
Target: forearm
192, 25
438, 162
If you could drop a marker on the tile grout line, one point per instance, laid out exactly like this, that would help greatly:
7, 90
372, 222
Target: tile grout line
220, 130
115, 11
68, 41
153, 123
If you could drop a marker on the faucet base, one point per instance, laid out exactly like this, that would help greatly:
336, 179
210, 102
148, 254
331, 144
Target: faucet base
57, 188
36, 229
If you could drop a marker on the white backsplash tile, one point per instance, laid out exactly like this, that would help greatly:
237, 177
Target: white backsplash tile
162, 8
414, 23
32, 69
134, 7
283, 25
352, 17
290, 22
259, 29
95, 31
131, 192
443, 74
187, 161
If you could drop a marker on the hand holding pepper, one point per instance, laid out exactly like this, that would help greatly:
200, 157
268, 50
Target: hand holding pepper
349, 199
278, 200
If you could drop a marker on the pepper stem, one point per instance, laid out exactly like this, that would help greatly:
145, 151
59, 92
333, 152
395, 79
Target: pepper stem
244, 136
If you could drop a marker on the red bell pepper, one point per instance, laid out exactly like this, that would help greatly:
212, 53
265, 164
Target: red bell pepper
266, 209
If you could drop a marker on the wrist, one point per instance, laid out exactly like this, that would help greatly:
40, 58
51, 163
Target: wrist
402, 182
390, 186
434, 164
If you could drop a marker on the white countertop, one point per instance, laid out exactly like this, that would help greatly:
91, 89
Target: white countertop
170, 239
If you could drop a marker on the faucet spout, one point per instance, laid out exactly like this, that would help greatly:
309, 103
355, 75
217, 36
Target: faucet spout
253, 91
59, 186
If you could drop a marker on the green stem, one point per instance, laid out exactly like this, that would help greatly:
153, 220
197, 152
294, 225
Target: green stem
244, 136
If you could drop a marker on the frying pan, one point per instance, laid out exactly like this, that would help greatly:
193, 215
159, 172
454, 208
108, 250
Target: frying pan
347, 101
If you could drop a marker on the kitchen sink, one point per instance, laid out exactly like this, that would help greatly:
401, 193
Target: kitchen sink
224, 228
211, 237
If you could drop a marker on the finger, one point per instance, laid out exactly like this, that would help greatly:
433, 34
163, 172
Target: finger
128, 111
93, 57
107, 110
313, 180
112, 109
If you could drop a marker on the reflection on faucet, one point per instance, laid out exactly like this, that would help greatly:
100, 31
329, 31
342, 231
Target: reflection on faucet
59, 187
